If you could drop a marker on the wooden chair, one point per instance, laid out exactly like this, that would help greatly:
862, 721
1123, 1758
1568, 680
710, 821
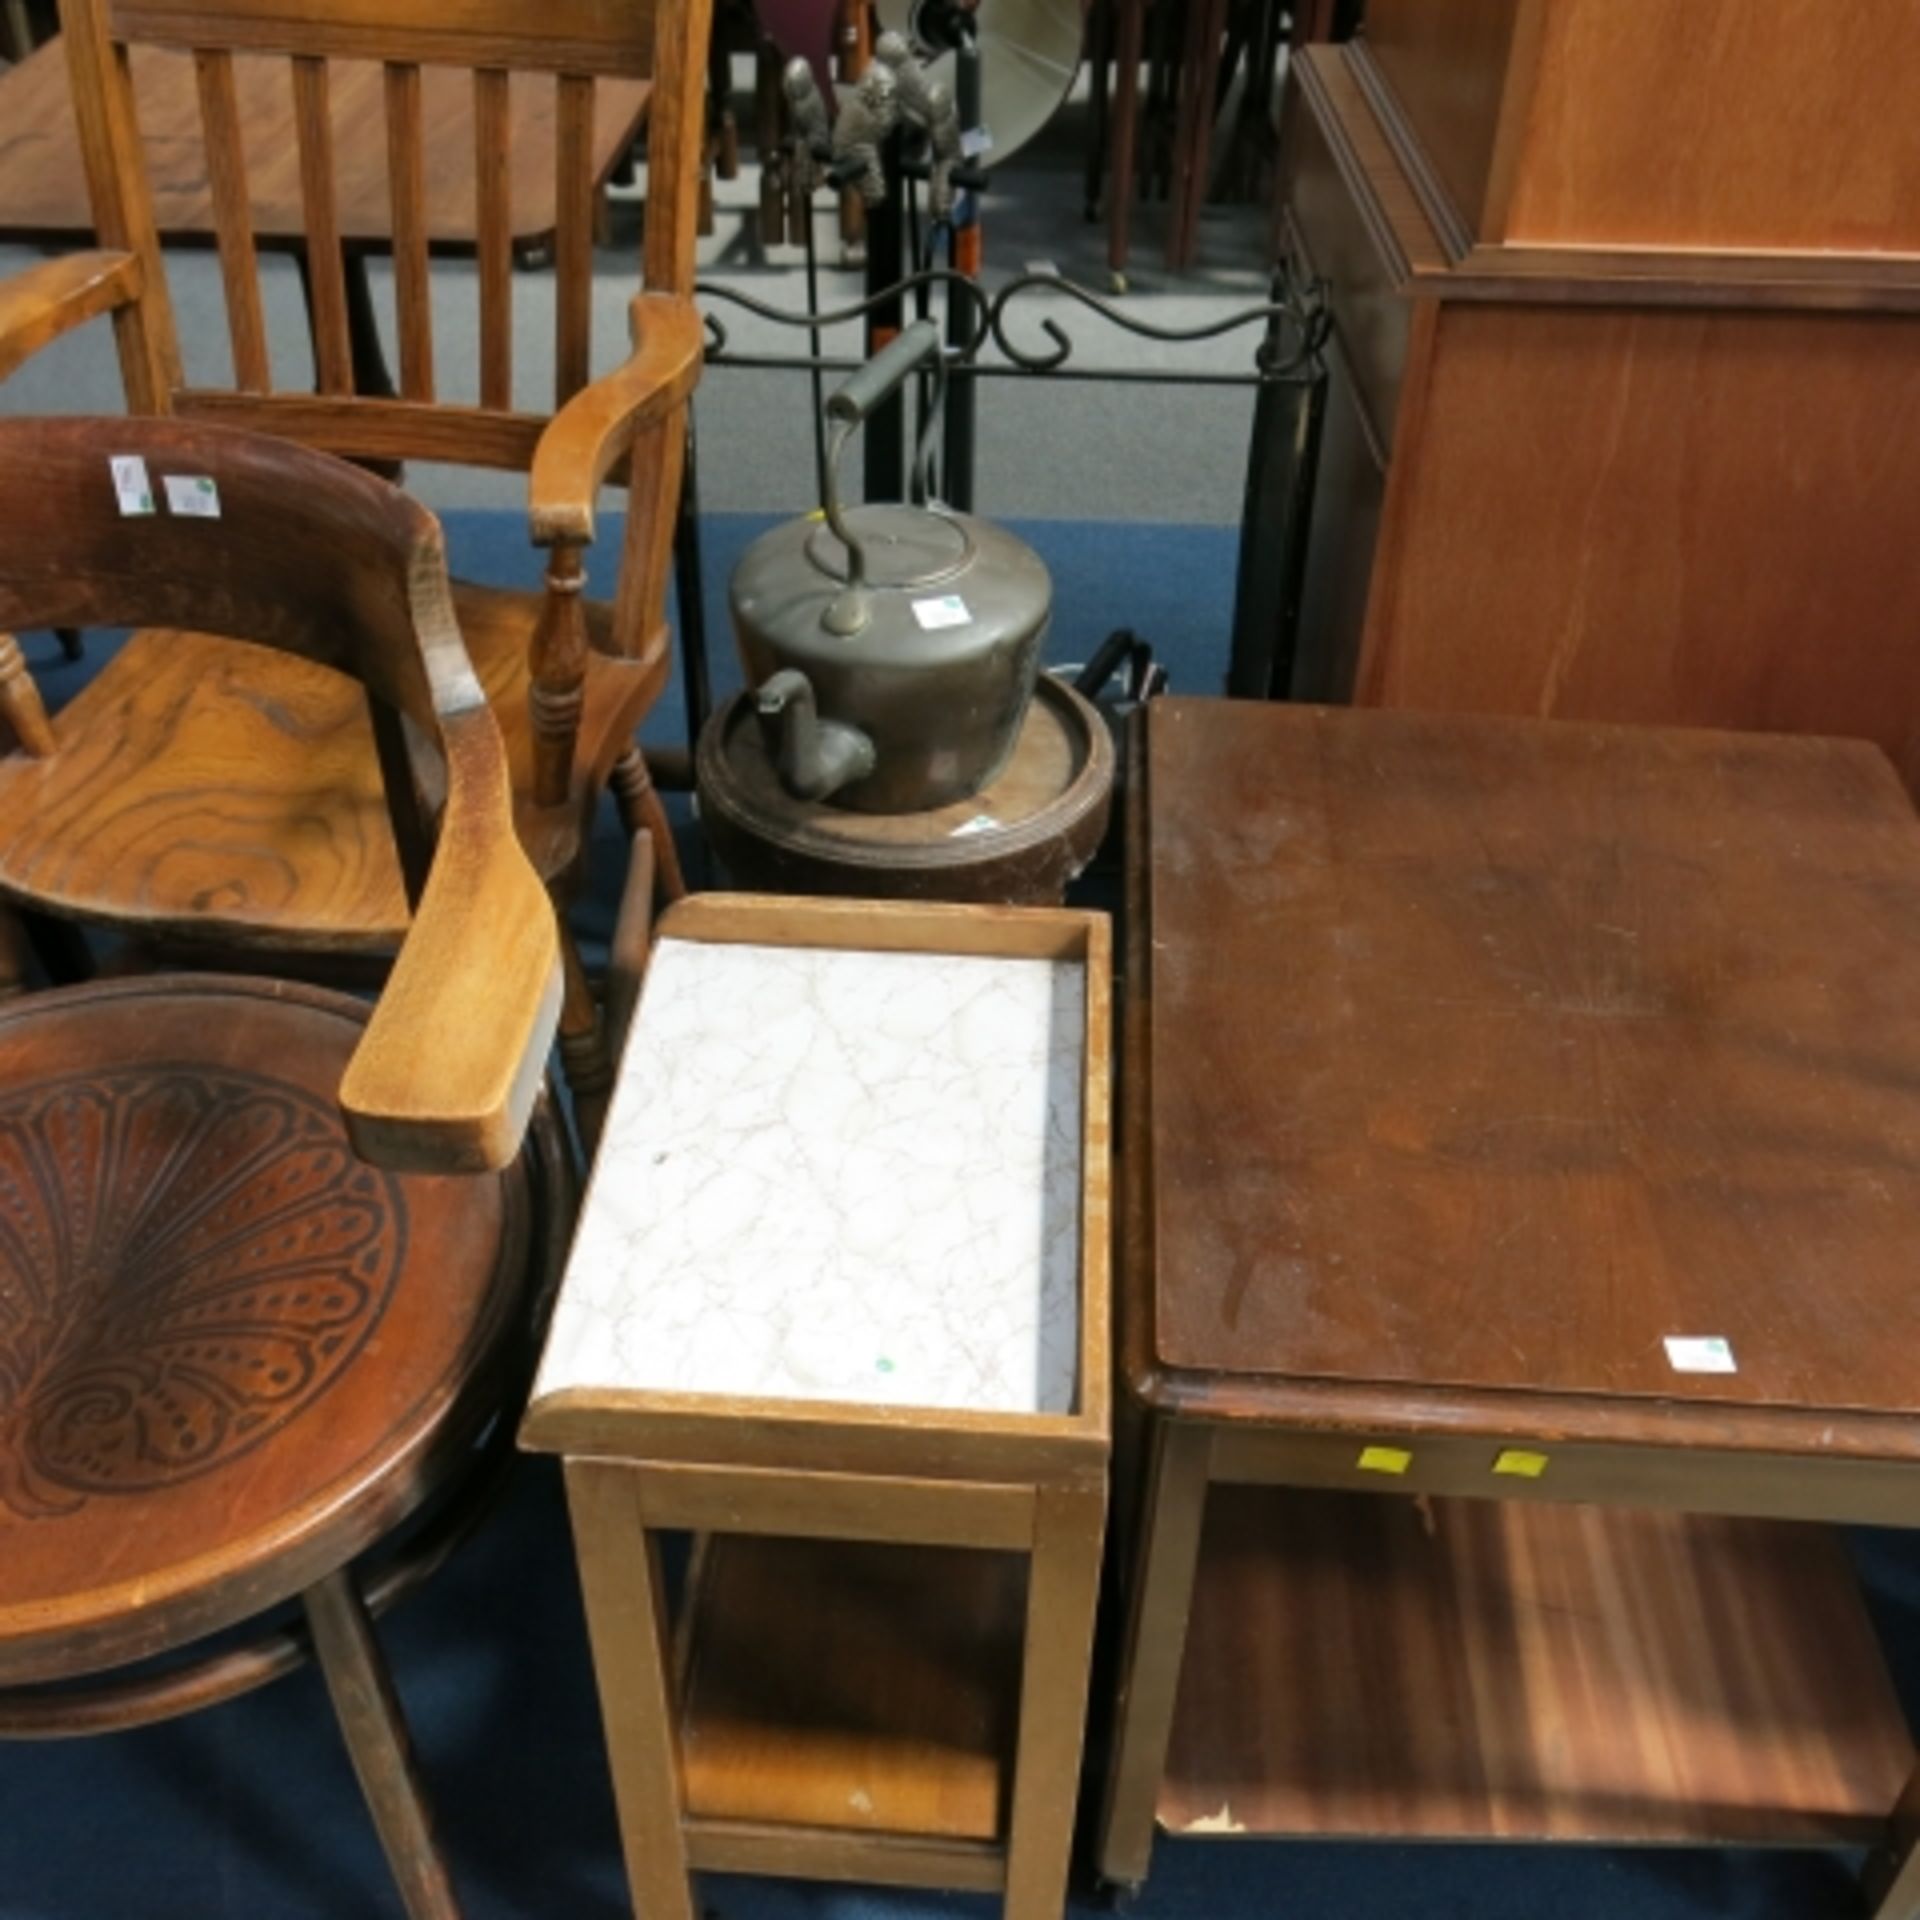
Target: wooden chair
272, 834
198, 1426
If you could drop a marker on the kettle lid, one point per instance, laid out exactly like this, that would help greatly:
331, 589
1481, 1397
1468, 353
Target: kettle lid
905, 546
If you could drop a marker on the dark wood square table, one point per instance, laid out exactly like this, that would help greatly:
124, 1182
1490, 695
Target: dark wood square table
1521, 1160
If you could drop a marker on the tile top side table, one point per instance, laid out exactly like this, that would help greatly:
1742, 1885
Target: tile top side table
1521, 1160
838, 1308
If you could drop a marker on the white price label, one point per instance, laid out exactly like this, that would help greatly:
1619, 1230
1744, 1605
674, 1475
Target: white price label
1699, 1354
193, 496
947, 611
976, 141
130, 483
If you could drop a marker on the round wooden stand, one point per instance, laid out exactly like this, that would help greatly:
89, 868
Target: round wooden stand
1017, 842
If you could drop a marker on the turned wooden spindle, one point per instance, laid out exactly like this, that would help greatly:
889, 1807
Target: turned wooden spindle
585, 1056
559, 675
20, 704
641, 812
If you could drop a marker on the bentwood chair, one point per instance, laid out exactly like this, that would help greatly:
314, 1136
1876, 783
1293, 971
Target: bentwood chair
250, 1330
292, 852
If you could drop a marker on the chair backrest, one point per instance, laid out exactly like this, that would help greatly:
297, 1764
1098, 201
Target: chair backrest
263, 541
486, 51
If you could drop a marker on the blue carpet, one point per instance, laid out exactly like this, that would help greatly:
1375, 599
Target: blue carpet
249, 1812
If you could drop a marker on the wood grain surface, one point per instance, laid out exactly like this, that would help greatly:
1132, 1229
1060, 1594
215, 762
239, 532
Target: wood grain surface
871, 1688
1666, 516
51, 297
1806, 137
1588, 123
326, 568
1369, 1665
43, 190
572, 36
1448, 66
1490, 1054
138, 817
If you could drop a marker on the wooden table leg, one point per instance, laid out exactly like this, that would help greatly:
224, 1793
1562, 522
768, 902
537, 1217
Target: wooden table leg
1121, 183
16, 30
1892, 1878
584, 1055
1193, 133
1062, 1590
15, 954
627, 1624
1099, 66
1165, 1558
641, 810
369, 1714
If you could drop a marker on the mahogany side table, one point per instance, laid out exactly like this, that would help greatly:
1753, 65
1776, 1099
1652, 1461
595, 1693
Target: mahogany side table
1521, 1151
838, 1308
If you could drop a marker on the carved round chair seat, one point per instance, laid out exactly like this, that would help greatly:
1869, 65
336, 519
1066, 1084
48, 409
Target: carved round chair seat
232, 1354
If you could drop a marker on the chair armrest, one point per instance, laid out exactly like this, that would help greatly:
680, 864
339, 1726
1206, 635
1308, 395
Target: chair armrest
445, 1077
52, 297
596, 429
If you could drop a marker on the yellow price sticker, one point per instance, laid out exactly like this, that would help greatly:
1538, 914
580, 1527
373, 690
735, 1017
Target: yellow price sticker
1385, 1459
1521, 1464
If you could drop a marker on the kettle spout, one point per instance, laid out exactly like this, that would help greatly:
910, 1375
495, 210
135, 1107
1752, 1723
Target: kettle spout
813, 757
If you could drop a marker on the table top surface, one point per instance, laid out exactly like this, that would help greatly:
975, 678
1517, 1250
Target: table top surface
836, 1176
1494, 1058
43, 188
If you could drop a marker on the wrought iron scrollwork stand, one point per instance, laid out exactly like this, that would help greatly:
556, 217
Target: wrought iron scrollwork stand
1287, 373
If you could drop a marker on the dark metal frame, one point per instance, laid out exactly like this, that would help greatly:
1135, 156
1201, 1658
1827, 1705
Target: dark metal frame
1287, 374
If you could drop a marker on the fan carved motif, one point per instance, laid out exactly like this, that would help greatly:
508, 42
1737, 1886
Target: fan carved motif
189, 1259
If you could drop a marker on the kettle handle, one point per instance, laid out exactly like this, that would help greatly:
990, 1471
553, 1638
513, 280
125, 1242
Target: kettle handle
849, 408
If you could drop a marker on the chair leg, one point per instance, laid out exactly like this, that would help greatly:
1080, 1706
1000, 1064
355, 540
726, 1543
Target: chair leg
585, 1057
639, 803
73, 643
15, 955
376, 1735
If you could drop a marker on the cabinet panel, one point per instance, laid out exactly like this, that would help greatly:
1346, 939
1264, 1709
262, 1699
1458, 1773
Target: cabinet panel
1659, 515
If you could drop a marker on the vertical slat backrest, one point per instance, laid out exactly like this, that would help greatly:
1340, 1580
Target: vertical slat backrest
498, 46
492, 215
407, 186
227, 180
573, 237
326, 268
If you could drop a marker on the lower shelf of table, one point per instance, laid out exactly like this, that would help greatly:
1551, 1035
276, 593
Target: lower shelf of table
868, 1689
1368, 1665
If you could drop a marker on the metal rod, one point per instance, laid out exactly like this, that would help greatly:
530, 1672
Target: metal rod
689, 586
885, 448
960, 374
966, 258
818, 364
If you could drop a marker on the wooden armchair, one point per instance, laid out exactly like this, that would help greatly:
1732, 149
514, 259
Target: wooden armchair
212, 1191
291, 852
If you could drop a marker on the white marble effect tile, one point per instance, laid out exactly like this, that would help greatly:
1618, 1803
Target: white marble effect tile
837, 1176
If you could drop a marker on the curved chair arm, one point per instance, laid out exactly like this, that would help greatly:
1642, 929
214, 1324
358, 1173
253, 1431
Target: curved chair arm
445, 1078
316, 558
52, 297
596, 429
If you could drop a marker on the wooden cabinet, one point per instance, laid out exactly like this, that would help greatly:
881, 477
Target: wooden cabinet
1644, 485
1759, 125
